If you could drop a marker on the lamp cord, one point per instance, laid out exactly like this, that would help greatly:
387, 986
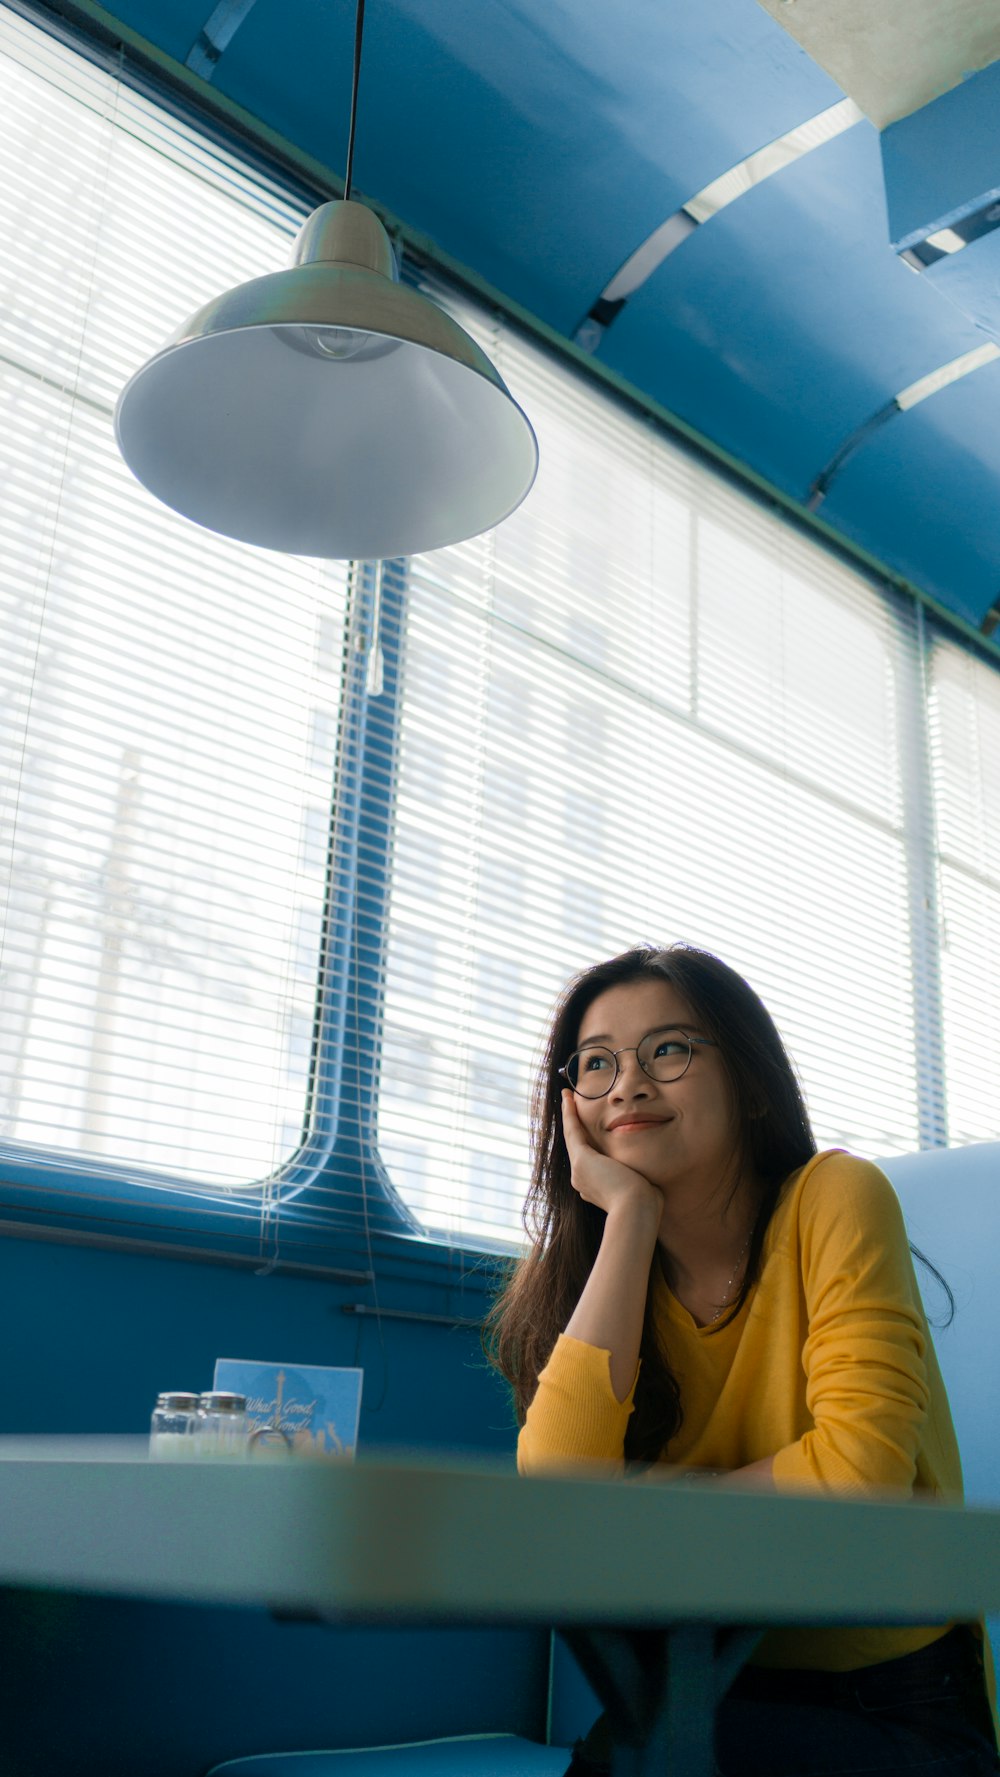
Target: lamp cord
358, 28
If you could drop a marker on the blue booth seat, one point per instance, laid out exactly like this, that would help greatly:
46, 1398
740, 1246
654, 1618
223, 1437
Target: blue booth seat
466, 1755
951, 1206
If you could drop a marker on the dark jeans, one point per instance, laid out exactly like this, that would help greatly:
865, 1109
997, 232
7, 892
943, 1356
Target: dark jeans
925, 1713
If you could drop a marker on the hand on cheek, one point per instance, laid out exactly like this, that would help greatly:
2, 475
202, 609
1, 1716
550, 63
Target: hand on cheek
597, 1178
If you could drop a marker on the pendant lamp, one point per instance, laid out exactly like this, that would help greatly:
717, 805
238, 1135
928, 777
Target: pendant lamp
329, 410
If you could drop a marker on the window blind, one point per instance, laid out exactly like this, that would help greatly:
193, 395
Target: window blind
646, 708
172, 700
965, 709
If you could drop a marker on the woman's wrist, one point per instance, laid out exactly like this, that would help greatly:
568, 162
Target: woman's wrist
637, 1213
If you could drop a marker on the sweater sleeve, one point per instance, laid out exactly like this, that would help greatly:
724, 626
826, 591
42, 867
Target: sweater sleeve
864, 1355
575, 1416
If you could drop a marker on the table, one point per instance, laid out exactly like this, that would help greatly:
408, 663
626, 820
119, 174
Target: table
428, 1541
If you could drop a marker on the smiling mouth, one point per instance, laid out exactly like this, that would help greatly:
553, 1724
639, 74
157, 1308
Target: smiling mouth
638, 1123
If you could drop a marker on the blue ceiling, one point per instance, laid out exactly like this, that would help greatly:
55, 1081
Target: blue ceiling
540, 145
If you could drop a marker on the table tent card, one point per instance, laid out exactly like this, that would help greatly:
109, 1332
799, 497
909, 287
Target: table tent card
316, 1407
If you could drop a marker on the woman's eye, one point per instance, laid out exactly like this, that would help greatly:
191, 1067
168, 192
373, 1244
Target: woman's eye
592, 1064
669, 1046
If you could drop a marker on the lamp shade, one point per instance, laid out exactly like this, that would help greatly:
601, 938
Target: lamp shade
329, 410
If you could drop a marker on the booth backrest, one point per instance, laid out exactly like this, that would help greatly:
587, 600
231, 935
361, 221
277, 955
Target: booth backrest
951, 1204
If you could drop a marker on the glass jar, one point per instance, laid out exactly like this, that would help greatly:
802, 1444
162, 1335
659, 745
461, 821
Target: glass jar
172, 1427
222, 1425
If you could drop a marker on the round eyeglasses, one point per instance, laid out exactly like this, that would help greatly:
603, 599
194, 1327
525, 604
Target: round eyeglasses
662, 1054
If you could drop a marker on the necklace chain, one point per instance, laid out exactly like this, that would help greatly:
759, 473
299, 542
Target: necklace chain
732, 1280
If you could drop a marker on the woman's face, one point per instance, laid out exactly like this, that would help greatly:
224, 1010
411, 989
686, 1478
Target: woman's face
670, 1131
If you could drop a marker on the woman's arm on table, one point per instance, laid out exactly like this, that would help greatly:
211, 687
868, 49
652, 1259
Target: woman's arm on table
584, 1397
612, 1305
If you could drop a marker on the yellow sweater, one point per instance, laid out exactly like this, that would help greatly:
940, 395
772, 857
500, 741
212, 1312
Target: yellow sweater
828, 1367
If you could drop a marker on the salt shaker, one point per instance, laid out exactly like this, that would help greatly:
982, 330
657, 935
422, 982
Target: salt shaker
222, 1425
172, 1427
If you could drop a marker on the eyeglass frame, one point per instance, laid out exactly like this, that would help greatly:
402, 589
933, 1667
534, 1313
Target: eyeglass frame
657, 1030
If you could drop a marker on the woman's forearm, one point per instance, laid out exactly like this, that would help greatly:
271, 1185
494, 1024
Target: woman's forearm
612, 1307
753, 1474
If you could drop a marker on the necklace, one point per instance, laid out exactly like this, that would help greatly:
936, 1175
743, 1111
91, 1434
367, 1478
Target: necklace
732, 1280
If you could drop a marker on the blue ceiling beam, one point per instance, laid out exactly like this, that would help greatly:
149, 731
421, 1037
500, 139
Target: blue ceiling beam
971, 280
215, 36
942, 163
922, 486
941, 168
782, 326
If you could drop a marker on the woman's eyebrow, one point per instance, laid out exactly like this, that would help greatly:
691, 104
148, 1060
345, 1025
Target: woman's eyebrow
657, 1030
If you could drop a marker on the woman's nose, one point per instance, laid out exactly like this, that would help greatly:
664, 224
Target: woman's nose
631, 1077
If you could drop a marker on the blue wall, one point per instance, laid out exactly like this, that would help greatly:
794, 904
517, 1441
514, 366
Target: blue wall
110, 1688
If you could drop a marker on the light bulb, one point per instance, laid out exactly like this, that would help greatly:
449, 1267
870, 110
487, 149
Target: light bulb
336, 344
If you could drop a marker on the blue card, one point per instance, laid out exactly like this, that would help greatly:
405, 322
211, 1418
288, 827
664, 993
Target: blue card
317, 1408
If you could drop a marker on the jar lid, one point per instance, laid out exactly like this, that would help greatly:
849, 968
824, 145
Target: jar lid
223, 1403
178, 1403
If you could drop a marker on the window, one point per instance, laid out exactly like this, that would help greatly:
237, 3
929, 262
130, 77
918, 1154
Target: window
315, 837
498, 987
965, 703
413, 956
501, 890
308, 934
583, 819
163, 703
715, 745
322, 742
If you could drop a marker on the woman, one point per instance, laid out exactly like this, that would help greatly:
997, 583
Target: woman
706, 1290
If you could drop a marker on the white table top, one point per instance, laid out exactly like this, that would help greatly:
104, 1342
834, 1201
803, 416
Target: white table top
421, 1539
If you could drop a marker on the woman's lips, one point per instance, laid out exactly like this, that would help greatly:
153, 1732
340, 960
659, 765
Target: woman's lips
630, 1125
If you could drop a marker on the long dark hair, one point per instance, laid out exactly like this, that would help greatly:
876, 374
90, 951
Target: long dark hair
773, 1138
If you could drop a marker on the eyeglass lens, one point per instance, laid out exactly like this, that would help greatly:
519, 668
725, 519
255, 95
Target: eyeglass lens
663, 1055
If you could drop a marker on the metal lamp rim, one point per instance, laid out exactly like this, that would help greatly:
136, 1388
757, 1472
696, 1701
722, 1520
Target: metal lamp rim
325, 295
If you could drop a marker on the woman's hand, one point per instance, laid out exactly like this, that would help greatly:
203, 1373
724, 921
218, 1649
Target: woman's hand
610, 1311
600, 1180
